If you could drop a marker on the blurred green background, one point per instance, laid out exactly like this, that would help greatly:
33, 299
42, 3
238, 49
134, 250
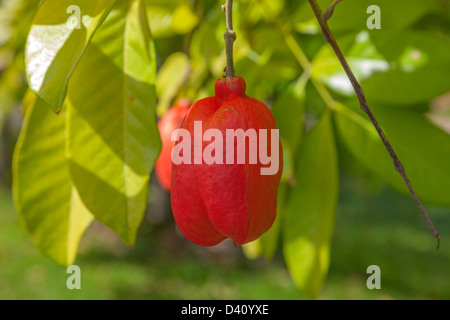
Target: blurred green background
375, 225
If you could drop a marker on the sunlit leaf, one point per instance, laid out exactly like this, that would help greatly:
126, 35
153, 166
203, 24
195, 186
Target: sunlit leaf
363, 58
308, 220
54, 47
48, 205
113, 140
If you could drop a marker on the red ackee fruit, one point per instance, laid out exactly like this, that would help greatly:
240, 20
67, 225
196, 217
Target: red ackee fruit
211, 203
171, 121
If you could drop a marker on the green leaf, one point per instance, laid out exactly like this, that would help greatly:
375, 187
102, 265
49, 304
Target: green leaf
269, 241
308, 220
263, 9
289, 110
113, 140
394, 68
47, 203
362, 57
170, 78
419, 72
170, 17
266, 62
393, 45
252, 250
402, 88
352, 15
207, 45
423, 148
53, 49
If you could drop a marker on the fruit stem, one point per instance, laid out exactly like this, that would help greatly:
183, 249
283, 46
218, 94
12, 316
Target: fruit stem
230, 37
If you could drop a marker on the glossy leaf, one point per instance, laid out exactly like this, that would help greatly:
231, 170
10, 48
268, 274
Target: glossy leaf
55, 44
48, 205
308, 220
113, 141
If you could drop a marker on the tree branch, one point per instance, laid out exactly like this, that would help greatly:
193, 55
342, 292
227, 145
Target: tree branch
321, 18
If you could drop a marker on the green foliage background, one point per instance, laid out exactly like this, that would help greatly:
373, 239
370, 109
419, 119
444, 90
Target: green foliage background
111, 79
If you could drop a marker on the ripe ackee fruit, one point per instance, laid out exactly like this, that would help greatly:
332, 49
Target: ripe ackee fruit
167, 125
213, 202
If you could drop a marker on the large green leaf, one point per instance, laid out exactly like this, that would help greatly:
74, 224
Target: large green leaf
432, 47
352, 14
423, 148
113, 140
402, 88
420, 68
53, 49
400, 68
46, 201
308, 220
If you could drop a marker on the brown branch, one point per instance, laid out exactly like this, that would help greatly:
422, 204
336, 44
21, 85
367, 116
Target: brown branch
364, 106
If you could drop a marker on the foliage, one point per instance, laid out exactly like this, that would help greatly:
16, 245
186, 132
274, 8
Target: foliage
131, 59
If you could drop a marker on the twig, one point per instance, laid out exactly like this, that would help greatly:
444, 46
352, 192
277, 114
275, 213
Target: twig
364, 106
230, 37
329, 12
